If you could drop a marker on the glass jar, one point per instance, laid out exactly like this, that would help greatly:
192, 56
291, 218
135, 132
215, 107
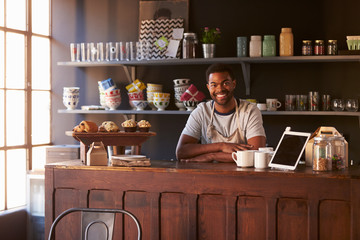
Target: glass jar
307, 48
286, 42
332, 47
189, 45
322, 153
339, 152
269, 46
319, 48
255, 46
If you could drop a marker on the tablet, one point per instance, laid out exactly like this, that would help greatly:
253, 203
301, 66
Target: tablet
289, 150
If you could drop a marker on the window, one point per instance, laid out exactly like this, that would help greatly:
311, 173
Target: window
25, 94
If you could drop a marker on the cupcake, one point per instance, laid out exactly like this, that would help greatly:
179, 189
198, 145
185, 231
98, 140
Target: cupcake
144, 126
129, 125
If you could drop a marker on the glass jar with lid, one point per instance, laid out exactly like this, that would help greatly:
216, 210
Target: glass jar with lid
322, 153
338, 152
307, 48
189, 45
319, 48
332, 47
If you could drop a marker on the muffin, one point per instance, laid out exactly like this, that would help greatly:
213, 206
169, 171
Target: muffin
144, 126
86, 126
109, 126
129, 125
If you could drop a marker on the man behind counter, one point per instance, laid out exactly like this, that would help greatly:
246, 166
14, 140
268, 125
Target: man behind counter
217, 128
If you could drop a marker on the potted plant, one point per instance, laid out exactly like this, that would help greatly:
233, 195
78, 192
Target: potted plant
209, 37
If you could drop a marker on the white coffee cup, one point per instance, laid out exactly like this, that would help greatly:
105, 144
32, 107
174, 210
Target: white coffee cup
272, 104
266, 149
244, 158
262, 106
261, 159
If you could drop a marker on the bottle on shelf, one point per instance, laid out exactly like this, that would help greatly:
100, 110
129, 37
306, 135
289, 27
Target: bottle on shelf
286, 47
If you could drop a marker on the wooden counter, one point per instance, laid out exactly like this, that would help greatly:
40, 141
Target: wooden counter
209, 201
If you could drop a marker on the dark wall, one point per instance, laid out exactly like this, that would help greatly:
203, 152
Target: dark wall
117, 20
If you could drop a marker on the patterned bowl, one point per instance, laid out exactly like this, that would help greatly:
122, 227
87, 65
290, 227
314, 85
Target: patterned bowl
161, 105
136, 95
139, 104
190, 105
113, 102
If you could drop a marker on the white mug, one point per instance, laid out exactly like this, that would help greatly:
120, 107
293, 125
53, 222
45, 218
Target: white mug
261, 159
244, 158
272, 104
262, 106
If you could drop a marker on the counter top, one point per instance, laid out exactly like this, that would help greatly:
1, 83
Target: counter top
212, 168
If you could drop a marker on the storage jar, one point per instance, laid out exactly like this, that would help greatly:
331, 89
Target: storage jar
286, 42
339, 152
189, 45
255, 46
269, 46
322, 153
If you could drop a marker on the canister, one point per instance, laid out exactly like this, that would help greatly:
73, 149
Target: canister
322, 153
338, 153
189, 45
255, 46
286, 42
269, 46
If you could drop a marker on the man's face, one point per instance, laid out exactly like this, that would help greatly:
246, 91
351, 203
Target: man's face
221, 87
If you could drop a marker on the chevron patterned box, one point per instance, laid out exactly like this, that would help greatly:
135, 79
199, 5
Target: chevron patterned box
152, 30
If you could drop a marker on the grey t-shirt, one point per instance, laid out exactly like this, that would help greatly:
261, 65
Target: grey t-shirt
251, 123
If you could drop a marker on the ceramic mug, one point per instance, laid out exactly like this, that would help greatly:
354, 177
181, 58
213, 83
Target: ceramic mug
261, 159
272, 104
244, 158
261, 106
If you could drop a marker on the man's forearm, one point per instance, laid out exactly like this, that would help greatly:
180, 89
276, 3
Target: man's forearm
194, 149
210, 157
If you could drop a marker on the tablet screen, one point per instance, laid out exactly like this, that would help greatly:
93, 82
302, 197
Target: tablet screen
289, 150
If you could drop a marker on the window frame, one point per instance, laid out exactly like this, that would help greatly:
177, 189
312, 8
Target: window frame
28, 34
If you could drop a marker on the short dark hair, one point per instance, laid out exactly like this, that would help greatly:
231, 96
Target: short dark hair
219, 67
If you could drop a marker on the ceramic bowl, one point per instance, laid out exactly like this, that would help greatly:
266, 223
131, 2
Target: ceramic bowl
113, 102
71, 100
139, 104
180, 106
181, 89
161, 105
161, 95
181, 81
151, 87
136, 95
190, 105
70, 90
112, 92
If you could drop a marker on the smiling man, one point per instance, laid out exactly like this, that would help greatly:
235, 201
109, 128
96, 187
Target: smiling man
224, 125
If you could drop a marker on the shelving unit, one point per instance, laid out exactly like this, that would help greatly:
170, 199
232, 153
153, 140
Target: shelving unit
245, 62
